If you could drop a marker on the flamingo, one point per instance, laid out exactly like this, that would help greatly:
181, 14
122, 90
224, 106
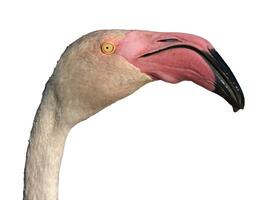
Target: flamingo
102, 67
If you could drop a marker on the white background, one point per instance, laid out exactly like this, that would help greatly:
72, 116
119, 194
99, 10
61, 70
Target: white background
163, 142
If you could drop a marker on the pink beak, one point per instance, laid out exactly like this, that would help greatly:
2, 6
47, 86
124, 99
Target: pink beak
174, 57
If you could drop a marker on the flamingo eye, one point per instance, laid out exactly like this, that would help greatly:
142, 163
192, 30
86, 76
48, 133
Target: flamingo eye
107, 48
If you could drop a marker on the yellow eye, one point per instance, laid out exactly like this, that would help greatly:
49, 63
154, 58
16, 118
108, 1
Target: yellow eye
107, 48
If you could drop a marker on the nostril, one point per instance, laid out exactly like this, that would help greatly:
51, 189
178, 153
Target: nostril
169, 40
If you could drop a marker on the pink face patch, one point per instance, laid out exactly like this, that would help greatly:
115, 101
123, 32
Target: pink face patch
157, 56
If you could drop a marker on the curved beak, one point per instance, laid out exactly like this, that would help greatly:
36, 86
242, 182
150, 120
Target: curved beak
174, 57
226, 84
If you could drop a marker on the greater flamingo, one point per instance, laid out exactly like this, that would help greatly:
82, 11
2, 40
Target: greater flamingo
102, 67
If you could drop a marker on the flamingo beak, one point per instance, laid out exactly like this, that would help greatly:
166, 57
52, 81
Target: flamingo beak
174, 57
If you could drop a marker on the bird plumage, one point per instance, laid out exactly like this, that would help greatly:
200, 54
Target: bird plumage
90, 76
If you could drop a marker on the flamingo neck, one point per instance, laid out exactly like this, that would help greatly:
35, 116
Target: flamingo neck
45, 150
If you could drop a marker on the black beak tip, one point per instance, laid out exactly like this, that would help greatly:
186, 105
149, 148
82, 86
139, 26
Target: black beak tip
237, 108
226, 84
239, 101
240, 104
236, 100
